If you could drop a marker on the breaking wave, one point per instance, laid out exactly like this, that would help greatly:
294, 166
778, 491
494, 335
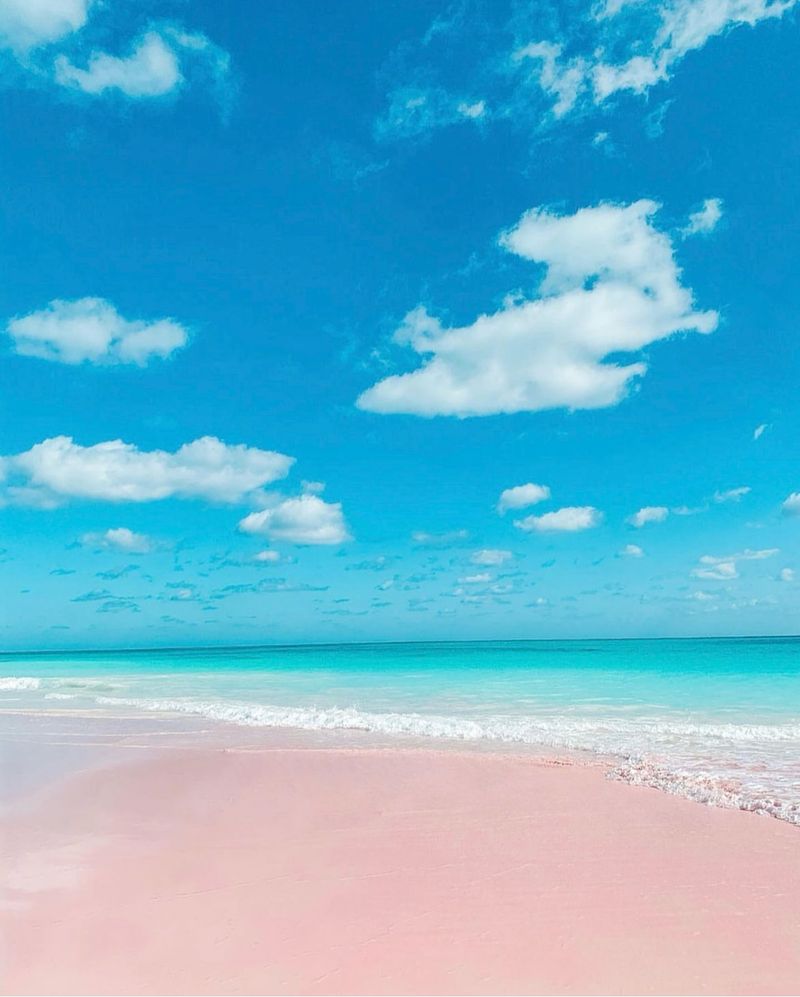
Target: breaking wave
747, 766
590, 735
753, 767
14, 684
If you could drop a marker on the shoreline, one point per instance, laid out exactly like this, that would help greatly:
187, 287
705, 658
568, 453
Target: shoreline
179, 724
282, 866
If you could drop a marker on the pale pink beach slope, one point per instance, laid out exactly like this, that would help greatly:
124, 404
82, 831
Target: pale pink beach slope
388, 871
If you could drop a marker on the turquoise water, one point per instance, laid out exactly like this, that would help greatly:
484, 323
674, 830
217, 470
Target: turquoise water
717, 720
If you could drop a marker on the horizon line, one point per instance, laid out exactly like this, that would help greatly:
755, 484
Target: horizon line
387, 643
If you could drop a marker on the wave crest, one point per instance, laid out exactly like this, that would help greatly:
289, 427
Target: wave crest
13, 683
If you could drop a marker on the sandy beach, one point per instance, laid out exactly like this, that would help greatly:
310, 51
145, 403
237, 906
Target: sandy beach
304, 869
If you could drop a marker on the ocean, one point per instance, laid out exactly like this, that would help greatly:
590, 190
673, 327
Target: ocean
716, 720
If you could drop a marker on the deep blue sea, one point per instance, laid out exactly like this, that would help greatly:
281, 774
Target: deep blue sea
717, 720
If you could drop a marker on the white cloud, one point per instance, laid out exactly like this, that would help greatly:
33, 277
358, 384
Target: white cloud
603, 49
689, 510
521, 496
119, 538
632, 550
425, 539
723, 568
649, 514
703, 597
682, 26
474, 111
27, 24
414, 110
306, 519
732, 494
491, 557
787, 574
705, 220
563, 80
92, 330
58, 469
743, 555
612, 286
267, 556
158, 63
482, 578
571, 519
151, 70
791, 505
759, 431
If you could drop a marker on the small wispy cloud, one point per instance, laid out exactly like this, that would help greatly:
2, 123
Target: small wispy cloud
120, 538
490, 557
724, 568
601, 51
732, 494
706, 219
48, 39
424, 539
791, 505
648, 514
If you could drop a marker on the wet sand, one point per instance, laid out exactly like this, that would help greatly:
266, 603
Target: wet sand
304, 869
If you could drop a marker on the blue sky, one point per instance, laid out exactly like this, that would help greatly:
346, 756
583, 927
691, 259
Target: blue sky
396, 321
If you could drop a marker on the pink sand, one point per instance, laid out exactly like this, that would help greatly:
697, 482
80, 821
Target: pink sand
387, 871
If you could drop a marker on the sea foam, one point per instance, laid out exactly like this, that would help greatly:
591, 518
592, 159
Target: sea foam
650, 751
14, 683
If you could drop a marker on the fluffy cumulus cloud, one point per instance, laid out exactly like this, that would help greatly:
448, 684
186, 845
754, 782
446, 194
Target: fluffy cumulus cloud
59, 469
632, 550
26, 24
92, 330
612, 286
119, 538
306, 519
649, 514
521, 496
571, 519
490, 557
